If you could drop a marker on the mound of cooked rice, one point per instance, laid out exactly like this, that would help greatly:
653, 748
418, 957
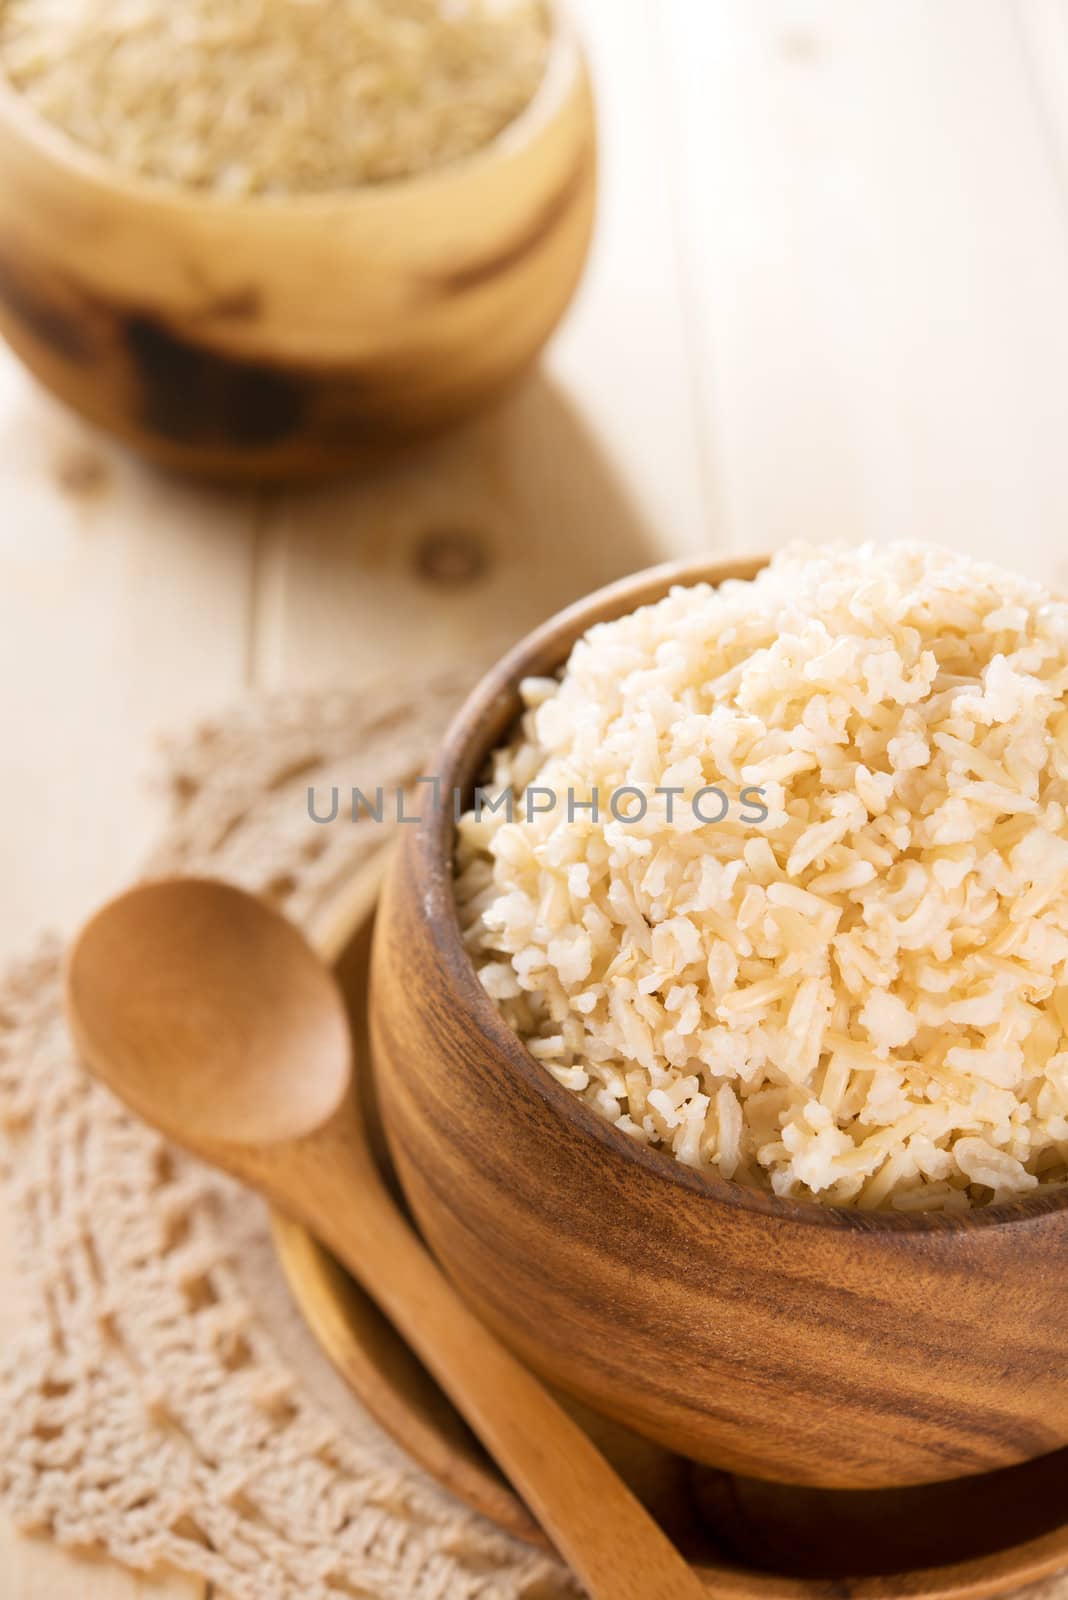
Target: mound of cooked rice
862, 998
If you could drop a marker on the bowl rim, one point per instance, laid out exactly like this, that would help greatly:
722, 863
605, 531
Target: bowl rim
565, 69
467, 743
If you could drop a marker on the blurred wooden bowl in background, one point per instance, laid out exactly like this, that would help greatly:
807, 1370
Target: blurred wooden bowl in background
274, 339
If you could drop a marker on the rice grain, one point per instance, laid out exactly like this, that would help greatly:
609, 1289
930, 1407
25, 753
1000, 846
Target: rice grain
277, 97
864, 999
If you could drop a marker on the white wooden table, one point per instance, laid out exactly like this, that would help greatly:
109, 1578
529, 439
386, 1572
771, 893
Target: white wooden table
829, 297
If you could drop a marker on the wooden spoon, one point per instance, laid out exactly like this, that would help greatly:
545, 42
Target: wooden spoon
214, 1020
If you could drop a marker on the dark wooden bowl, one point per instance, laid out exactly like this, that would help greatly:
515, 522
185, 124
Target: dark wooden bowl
749, 1540
776, 1339
290, 338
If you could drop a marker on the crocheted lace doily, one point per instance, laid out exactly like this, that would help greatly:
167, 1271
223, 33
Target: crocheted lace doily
164, 1402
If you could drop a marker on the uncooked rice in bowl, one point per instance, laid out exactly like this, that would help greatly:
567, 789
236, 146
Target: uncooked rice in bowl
860, 999
277, 97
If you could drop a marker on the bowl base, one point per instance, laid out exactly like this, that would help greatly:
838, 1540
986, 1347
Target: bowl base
834, 1534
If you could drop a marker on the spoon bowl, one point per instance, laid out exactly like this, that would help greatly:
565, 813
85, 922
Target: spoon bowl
142, 1028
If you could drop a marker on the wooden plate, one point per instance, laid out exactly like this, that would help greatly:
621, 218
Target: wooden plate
762, 1541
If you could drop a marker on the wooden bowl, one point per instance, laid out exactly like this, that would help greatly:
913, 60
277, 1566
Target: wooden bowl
287, 338
748, 1540
776, 1339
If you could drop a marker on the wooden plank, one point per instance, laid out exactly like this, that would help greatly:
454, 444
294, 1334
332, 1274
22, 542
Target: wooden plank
881, 246
625, 355
592, 470
123, 612
36, 1570
1043, 31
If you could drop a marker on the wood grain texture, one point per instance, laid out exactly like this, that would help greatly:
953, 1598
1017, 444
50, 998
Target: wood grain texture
123, 609
983, 1535
777, 1339
873, 212
301, 337
746, 1538
191, 1001
760, 1540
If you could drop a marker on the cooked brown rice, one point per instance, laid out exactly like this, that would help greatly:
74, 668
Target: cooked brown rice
862, 999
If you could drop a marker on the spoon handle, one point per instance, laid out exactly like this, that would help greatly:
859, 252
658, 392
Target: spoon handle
604, 1533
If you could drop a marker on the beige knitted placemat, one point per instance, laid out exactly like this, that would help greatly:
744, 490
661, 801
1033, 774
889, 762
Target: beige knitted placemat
165, 1402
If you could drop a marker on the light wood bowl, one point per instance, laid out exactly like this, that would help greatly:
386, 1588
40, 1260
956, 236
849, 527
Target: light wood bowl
289, 338
775, 1339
